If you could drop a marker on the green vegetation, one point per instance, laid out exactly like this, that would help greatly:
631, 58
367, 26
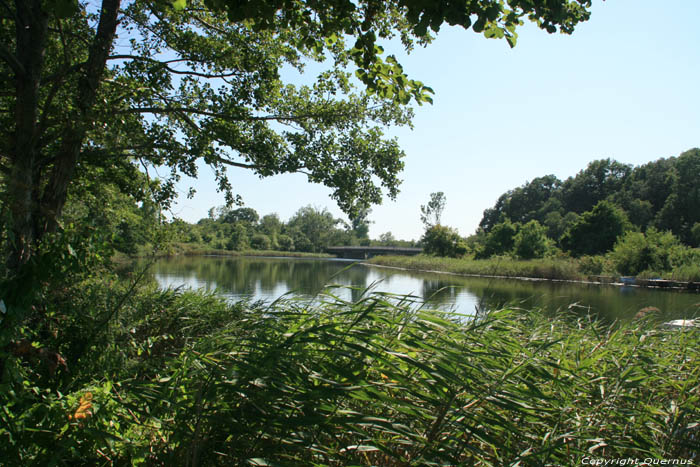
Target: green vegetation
309, 230
609, 219
683, 265
443, 241
662, 194
545, 268
596, 231
98, 369
182, 378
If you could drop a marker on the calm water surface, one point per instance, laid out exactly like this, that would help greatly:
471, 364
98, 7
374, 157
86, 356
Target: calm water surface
258, 278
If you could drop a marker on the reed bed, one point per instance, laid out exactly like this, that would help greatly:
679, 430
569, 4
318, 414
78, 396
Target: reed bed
185, 378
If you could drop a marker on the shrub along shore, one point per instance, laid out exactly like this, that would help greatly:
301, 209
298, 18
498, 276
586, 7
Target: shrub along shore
569, 269
156, 377
190, 249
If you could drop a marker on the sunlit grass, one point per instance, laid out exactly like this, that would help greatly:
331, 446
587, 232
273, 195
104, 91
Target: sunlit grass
184, 378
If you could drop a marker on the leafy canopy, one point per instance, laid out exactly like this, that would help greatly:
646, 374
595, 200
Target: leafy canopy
142, 84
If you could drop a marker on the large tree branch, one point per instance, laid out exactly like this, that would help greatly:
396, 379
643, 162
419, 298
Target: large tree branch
164, 64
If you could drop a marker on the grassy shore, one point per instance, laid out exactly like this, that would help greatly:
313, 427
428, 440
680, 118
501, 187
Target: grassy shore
565, 269
185, 378
194, 249
581, 269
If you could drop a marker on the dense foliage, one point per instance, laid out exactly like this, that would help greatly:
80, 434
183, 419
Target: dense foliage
440, 240
138, 84
662, 194
310, 229
596, 231
187, 379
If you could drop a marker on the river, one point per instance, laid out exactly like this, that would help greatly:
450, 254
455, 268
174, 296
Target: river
262, 278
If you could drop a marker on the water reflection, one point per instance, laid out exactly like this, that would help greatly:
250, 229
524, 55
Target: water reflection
269, 278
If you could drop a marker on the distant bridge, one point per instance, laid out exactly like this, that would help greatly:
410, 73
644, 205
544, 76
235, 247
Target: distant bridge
364, 252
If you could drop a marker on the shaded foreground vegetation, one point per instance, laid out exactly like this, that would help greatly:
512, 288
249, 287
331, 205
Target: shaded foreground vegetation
184, 378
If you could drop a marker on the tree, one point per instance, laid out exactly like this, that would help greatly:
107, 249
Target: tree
260, 242
531, 241
652, 250
532, 201
500, 240
312, 229
247, 215
271, 226
431, 213
193, 80
440, 240
688, 189
597, 230
387, 239
360, 225
600, 180
239, 239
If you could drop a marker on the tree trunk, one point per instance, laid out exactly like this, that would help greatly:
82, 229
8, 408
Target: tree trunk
35, 202
31, 28
54, 197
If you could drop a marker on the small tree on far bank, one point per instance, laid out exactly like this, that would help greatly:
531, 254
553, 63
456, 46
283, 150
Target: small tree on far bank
439, 240
636, 252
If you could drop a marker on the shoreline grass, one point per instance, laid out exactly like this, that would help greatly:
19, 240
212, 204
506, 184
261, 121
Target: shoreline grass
190, 249
566, 269
551, 269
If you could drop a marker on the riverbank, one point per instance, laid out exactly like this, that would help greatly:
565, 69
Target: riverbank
193, 249
562, 269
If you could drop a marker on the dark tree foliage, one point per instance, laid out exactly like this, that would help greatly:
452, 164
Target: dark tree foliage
663, 194
248, 215
596, 231
531, 241
532, 201
600, 180
500, 240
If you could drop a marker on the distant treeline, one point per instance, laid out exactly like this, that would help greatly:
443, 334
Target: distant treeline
310, 229
664, 194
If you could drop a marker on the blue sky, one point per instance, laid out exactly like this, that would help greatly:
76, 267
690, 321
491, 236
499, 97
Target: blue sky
624, 86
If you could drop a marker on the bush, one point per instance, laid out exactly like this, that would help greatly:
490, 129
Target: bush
500, 240
650, 251
439, 240
531, 241
239, 238
260, 242
285, 242
596, 231
592, 265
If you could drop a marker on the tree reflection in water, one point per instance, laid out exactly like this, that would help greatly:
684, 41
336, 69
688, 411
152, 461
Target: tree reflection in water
268, 278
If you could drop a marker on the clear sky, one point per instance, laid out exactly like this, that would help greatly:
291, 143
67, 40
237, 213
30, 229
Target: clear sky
625, 85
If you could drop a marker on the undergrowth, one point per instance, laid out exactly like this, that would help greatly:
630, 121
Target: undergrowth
184, 378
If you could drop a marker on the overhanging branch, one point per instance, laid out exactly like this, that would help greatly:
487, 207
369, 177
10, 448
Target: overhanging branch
164, 64
11, 60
